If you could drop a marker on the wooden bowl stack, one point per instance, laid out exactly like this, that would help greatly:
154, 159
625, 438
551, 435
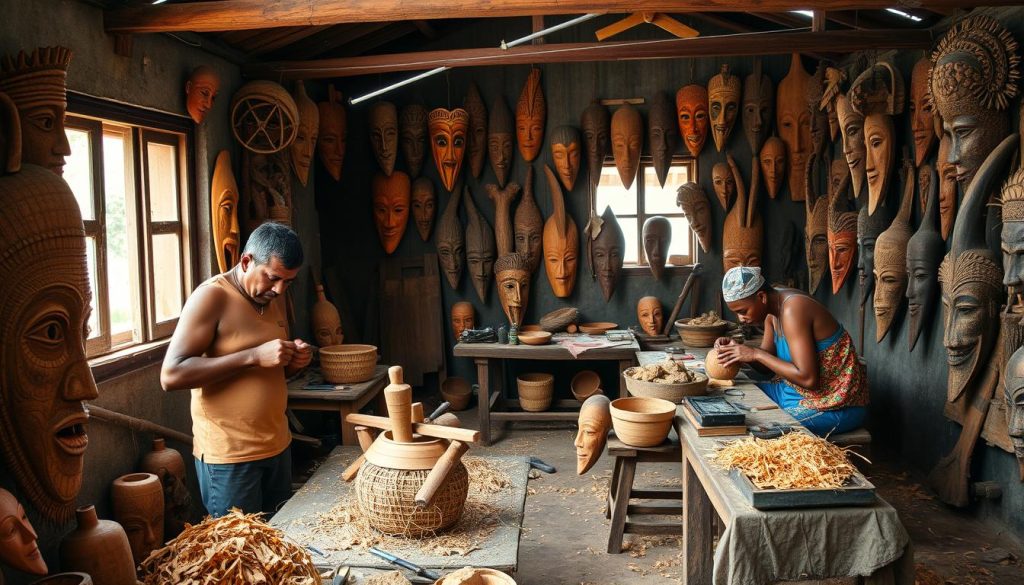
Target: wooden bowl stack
642, 422
348, 364
535, 391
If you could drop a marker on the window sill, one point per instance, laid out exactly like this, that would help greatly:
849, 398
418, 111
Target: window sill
636, 269
128, 360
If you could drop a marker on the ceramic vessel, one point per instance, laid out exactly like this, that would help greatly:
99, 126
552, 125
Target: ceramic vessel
457, 391
139, 508
697, 335
716, 370
535, 391
168, 465
535, 337
65, 579
98, 548
585, 384
641, 421
672, 392
597, 328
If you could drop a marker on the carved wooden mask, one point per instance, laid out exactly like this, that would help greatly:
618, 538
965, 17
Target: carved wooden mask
224, 213
891, 260
922, 117
480, 252
477, 129
596, 124
500, 138
692, 114
528, 225
391, 202
724, 99
607, 250
412, 124
531, 114
690, 197
834, 78
566, 151
842, 226
448, 130
513, 277
869, 227
36, 83
18, 547
851, 126
924, 254
878, 94
450, 243
594, 421
200, 91
947, 188
462, 318
503, 199
772, 162
1012, 234
424, 206
333, 130
561, 242
649, 314
724, 183
301, 149
758, 106
384, 135
662, 134
793, 119
657, 235
326, 321
627, 141
815, 236
1013, 394
743, 232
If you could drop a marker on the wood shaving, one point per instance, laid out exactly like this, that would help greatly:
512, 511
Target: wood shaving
792, 461
389, 578
666, 372
236, 549
709, 319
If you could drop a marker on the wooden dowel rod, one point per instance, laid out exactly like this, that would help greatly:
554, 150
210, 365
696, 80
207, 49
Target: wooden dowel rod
137, 424
427, 430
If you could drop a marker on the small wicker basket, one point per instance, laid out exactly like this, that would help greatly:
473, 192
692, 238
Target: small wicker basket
535, 391
348, 364
387, 499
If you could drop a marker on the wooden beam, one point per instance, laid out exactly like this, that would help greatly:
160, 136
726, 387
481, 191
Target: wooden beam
779, 43
818, 21
332, 38
787, 20
427, 30
722, 23
219, 15
385, 36
537, 23
285, 37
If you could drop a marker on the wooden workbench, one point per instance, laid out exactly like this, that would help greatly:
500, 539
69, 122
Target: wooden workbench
345, 400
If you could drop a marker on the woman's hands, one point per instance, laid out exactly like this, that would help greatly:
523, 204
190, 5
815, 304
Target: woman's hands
736, 353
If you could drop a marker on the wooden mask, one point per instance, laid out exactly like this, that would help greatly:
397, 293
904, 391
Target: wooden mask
384, 135
448, 130
743, 231
224, 213
842, 226
976, 74
594, 422
772, 162
500, 138
649, 314
891, 260
922, 117
528, 225
561, 242
878, 95
503, 199
793, 119
851, 126
815, 231
627, 142
480, 252
662, 134
477, 129
596, 124
391, 199
1012, 235
266, 189
692, 114
200, 91
924, 181
1013, 394
18, 545
301, 149
724, 183
424, 206
690, 197
657, 235
326, 320
947, 187
462, 318
607, 250
724, 103
36, 83
869, 227
531, 113
834, 79
513, 277
924, 254
333, 131
412, 125
450, 242
758, 106
565, 153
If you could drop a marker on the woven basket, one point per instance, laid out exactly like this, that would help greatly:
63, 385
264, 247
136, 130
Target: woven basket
348, 364
386, 498
457, 391
670, 392
535, 391
698, 336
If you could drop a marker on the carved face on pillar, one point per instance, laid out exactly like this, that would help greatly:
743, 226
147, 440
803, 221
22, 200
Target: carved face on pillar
18, 548
513, 277
922, 119
662, 134
531, 113
724, 184
391, 201
773, 165
448, 130
480, 248
692, 113
413, 128
1013, 391
224, 212
302, 147
724, 98
565, 153
462, 318
596, 124
758, 97
947, 188
424, 206
877, 94
333, 130
594, 421
450, 243
561, 242
384, 135
608, 248
36, 84
200, 91
528, 225
477, 129
793, 120
649, 314
657, 234
851, 126
690, 197
500, 137
627, 141
924, 254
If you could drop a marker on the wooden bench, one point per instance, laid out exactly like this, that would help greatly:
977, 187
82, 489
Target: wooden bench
620, 492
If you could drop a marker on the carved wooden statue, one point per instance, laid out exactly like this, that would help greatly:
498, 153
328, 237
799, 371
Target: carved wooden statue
383, 119
772, 162
36, 83
607, 250
561, 242
692, 114
657, 236
500, 139
594, 421
878, 95
662, 134
566, 151
480, 252
462, 318
922, 114
724, 183
531, 114
842, 227
513, 277
650, 315
947, 187
743, 232
333, 133
834, 79
474, 105
627, 142
758, 107
200, 91
815, 229
793, 120
412, 126
302, 147
528, 225
869, 227
326, 320
391, 202
891, 259
851, 126
1013, 394
503, 199
450, 243
424, 206
690, 197
724, 103
18, 547
224, 213
596, 124
266, 189
448, 129
924, 254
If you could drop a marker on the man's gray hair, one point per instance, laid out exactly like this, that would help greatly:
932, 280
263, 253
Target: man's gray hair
275, 240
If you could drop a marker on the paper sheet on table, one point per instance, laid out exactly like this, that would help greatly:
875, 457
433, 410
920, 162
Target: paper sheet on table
577, 344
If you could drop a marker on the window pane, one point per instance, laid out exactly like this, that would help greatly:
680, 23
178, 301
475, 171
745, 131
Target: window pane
163, 181
78, 170
90, 260
166, 276
611, 192
630, 231
658, 199
121, 287
680, 236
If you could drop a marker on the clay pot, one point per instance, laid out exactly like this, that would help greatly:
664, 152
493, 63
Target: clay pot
716, 370
98, 548
475, 576
535, 391
534, 337
139, 508
585, 384
457, 391
597, 328
642, 422
422, 453
65, 579
168, 465
698, 335
671, 392
163, 460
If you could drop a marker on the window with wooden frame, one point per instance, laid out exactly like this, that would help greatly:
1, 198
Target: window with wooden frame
131, 181
647, 198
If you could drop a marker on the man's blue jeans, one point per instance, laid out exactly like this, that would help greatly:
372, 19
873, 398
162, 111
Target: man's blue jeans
255, 486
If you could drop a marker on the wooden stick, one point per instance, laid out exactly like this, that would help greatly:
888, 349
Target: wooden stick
437, 476
427, 430
136, 424
350, 472
690, 280
399, 398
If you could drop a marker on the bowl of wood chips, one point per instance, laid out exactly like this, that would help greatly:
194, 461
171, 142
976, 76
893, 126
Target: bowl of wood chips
668, 380
701, 331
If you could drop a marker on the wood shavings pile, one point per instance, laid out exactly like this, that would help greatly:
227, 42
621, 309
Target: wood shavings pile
666, 372
792, 461
709, 319
389, 578
485, 478
236, 549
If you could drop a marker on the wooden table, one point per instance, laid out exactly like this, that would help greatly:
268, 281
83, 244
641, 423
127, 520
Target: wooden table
346, 400
490, 396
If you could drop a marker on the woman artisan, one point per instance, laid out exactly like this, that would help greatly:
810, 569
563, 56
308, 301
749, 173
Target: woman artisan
819, 379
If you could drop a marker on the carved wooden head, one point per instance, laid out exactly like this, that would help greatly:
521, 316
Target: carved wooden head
18, 547
424, 206
627, 141
690, 197
743, 232
793, 120
462, 318
878, 94
922, 117
531, 114
758, 107
200, 91
480, 248
947, 187
561, 242
500, 139
450, 243
36, 83
869, 227
834, 78
657, 235
724, 103
692, 114
412, 125
1012, 234
333, 132
513, 277
772, 161
383, 118
448, 130
724, 184
1013, 393
596, 124
474, 104
891, 261
816, 238
566, 151
649, 314
851, 126
608, 249
326, 320
391, 202
302, 148
224, 213
528, 225
842, 226
594, 421
924, 254
662, 134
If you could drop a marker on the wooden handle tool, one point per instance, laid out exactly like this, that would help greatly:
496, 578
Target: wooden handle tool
427, 430
399, 398
447, 420
417, 412
691, 280
437, 476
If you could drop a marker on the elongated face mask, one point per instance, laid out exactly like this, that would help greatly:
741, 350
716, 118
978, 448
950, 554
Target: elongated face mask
869, 227
657, 235
816, 243
724, 184
448, 142
513, 277
1013, 387
477, 129
201, 89
878, 94
413, 125
842, 226
608, 248
690, 197
391, 197
724, 97
851, 126
450, 242
480, 248
947, 188
500, 138
531, 113
565, 152
424, 205
758, 97
224, 212
462, 318
528, 225
891, 262
627, 140
594, 421
773, 165
384, 135
922, 118
302, 147
596, 124
793, 120
924, 254
692, 112
561, 242
18, 547
333, 128
650, 316
662, 135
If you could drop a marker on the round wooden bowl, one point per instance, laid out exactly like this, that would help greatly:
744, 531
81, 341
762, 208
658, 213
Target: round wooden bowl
585, 384
478, 577
671, 392
65, 579
535, 337
535, 391
697, 335
526, 328
348, 364
457, 391
641, 421
717, 370
597, 328
422, 453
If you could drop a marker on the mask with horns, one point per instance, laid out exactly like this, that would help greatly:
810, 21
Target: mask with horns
743, 231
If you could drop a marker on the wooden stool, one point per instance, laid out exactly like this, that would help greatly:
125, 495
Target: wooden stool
620, 492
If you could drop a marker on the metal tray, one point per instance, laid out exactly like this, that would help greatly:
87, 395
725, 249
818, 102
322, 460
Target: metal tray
858, 492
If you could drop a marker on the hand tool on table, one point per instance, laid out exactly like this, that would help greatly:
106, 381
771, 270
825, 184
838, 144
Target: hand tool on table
443, 408
691, 280
420, 571
538, 464
742, 406
772, 431
326, 387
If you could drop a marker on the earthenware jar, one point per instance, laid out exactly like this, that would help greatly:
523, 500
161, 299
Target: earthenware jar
139, 507
98, 548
